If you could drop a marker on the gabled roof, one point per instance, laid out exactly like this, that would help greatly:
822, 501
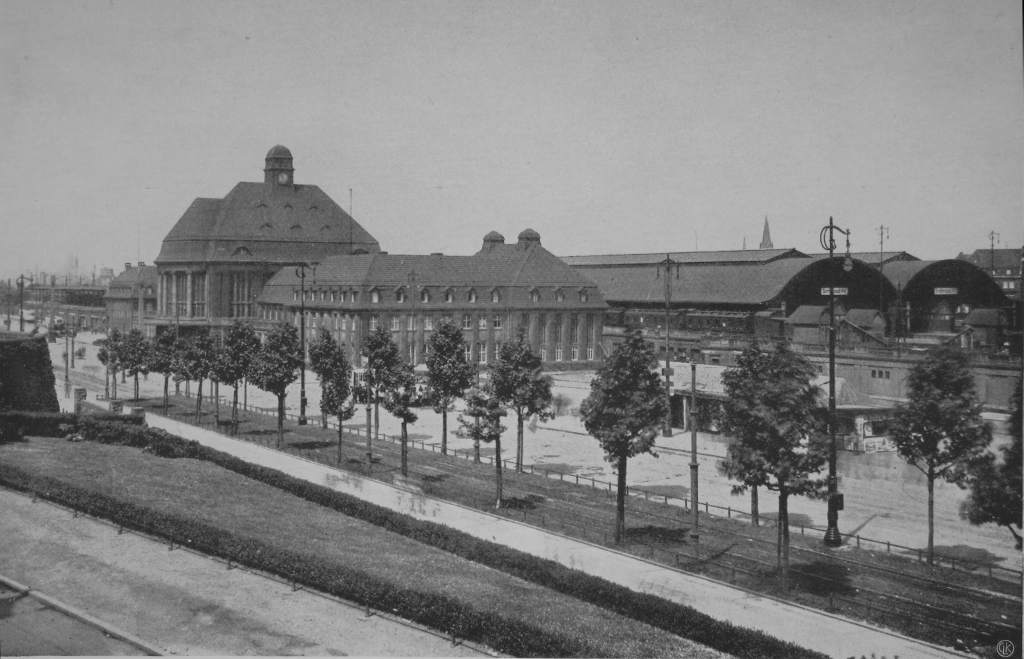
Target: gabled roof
985, 318
262, 222
864, 318
1001, 259
123, 285
497, 267
807, 314
736, 256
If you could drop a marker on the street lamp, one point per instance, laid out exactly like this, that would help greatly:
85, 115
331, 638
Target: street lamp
835, 500
300, 272
668, 264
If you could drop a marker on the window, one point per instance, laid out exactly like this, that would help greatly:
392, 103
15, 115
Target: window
467, 322
482, 322
472, 296
396, 323
559, 296
374, 320
558, 353
575, 353
449, 296
496, 323
424, 296
534, 295
334, 296
400, 296
428, 323
467, 352
583, 296
410, 323
590, 354
481, 349
355, 296
543, 354
295, 296
323, 296
375, 296
495, 296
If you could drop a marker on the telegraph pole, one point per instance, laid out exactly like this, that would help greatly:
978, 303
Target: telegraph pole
668, 264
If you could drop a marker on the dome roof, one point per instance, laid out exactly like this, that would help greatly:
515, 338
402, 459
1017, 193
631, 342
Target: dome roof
279, 151
494, 237
529, 234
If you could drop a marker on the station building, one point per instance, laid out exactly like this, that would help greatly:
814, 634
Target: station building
490, 295
131, 297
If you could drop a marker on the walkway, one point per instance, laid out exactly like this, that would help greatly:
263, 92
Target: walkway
819, 631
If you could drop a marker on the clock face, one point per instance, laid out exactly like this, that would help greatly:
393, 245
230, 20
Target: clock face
282, 177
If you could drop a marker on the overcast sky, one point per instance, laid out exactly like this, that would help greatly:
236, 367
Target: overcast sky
605, 126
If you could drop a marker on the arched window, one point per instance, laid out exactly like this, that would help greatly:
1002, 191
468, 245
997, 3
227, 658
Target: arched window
534, 295
583, 295
449, 295
375, 296
559, 295
472, 296
400, 296
495, 296
424, 296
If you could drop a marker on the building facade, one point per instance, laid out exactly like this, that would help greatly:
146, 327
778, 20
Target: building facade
490, 295
131, 297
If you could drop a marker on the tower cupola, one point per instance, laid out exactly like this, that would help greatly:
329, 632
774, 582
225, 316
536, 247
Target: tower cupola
278, 169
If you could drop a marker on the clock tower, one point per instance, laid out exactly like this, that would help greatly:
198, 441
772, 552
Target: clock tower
278, 169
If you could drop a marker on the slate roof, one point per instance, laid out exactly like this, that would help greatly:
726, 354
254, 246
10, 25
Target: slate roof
496, 266
808, 314
736, 256
121, 286
737, 283
262, 222
863, 318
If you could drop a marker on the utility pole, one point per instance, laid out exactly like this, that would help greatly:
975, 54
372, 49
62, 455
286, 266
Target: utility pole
883, 233
835, 500
21, 300
694, 465
993, 238
300, 271
668, 264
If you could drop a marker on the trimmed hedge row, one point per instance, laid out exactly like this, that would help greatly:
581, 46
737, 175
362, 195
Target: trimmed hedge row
56, 424
430, 609
675, 618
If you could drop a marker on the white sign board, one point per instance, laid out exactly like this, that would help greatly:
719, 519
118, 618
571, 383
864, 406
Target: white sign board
838, 290
942, 290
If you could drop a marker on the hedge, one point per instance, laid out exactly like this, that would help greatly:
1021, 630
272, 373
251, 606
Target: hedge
675, 618
56, 424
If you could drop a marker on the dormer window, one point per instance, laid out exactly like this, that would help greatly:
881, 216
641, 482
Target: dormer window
472, 296
534, 295
424, 296
583, 295
495, 296
559, 296
400, 296
449, 295
375, 296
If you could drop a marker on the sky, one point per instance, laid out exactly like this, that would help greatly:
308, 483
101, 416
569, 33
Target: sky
607, 127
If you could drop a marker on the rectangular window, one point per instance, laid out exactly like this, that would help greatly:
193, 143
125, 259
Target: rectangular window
396, 323
468, 353
467, 322
590, 354
373, 323
497, 322
410, 323
482, 322
575, 353
428, 323
558, 353
482, 352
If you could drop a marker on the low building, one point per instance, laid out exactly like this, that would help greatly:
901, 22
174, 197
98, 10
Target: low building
131, 297
491, 295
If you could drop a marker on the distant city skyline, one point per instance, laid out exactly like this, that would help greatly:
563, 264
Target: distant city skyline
606, 127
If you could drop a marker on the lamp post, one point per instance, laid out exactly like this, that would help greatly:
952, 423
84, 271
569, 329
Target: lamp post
835, 500
300, 271
694, 465
668, 264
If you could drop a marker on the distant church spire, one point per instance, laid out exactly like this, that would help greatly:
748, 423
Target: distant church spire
766, 237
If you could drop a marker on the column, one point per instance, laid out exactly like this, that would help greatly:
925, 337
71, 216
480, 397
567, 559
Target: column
188, 294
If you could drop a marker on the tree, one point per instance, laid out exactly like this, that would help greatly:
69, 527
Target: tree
328, 361
939, 430
196, 362
481, 422
772, 411
382, 361
398, 401
135, 356
234, 359
518, 383
448, 373
161, 358
995, 484
276, 366
110, 356
625, 410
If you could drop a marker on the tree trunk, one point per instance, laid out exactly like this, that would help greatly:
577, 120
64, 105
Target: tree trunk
341, 424
199, 400
405, 449
167, 378
280, 419
519, 441
234, 410
755, 513
106, 383
620, 502
784, 534
216, 402
376, 414
136, 386
444, 429
113, 380
931, 514
369, 442
497, 468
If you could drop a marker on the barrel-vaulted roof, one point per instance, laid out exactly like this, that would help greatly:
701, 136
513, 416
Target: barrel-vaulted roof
736, 256
263, 222
523, 266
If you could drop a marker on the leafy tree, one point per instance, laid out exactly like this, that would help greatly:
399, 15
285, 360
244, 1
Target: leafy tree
382, 363
995, 485
518, 383
940, 430
161, 358
328, 361
772, 411
135, 356
625, 410
398, 400
233, 360
448, 373
481, 422
196, 362
276, 366
109, 355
